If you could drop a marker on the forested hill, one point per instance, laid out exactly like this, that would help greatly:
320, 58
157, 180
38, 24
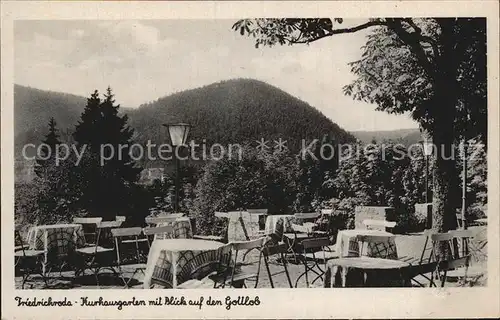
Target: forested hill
236, 111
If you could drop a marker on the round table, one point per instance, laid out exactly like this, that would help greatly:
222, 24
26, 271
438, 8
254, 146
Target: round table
168, 256
365, 271
55, 240
347, 245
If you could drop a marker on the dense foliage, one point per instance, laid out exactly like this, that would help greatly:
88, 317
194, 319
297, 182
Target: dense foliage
434, 69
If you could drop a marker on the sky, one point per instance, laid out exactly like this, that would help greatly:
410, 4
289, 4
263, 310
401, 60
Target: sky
148, 59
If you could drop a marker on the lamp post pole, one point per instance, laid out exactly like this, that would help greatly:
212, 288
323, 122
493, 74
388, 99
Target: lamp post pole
426, 178
178, 133
177, 182
464, 184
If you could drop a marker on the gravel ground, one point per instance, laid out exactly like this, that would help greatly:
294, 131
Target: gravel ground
407, 245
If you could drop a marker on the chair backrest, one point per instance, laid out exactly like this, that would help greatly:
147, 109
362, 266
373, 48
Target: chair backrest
378, 223
158, 230
162, 219
87, 220
166, 232
314, 243
306, 215
247, 245
219, 214
257, 211
126, 232
109, 224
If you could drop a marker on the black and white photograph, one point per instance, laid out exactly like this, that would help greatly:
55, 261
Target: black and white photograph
250, 153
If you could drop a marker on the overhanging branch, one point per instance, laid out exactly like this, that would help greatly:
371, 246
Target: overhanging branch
340, 31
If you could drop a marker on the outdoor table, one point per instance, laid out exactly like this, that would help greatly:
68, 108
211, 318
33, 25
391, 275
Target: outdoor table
182, 229
365, 272
169, 257
347, 245
55, 240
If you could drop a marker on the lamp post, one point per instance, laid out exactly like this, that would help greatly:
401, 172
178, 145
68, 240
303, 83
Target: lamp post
178, 133
464, 183
427, 149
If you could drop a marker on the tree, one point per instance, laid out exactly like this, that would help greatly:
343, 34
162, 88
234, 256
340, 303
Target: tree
47, 156
257, 180
435, 69
107, 170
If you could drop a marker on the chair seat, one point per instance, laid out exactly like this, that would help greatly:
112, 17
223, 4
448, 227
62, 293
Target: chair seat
29, 253
93, 249
297, 235
240, 276
318, 255
133, 240
209, 237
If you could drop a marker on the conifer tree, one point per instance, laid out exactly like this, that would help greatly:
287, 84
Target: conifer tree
107, 169
46, 158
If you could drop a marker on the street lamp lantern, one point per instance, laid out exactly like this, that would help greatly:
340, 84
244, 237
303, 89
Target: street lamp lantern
178, 133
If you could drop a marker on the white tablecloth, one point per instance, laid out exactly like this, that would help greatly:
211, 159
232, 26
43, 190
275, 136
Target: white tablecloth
279, 223
171, 257
347, 246
55, 240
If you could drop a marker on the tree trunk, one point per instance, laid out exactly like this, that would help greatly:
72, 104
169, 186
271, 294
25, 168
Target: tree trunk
444, 112
446, 178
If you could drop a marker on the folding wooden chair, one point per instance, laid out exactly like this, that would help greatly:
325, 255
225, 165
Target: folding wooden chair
463, 267
128, 236
422, 265
90, 228
270, 249
95, 257
230, 270
27, 261
315, 251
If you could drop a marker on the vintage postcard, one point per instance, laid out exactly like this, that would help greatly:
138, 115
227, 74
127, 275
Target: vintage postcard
250, 159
